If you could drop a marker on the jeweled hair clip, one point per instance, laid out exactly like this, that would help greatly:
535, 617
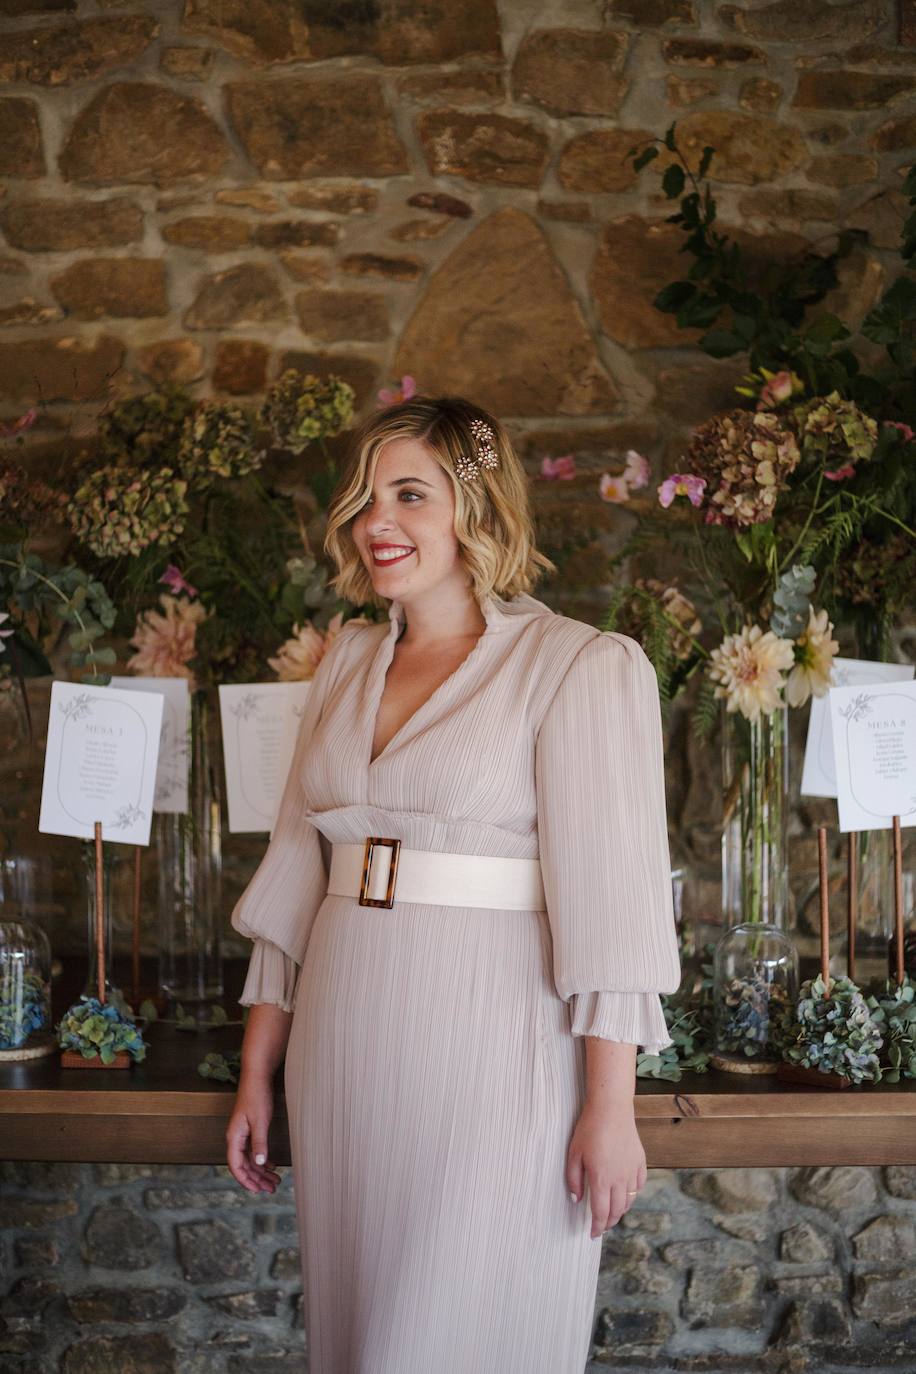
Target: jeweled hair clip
486, 456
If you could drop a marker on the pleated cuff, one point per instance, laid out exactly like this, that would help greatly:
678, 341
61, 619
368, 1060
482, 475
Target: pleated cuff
635, 1018
272, 977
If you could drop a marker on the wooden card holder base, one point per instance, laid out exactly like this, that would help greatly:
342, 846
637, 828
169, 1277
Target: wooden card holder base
72, 1059
799, 1073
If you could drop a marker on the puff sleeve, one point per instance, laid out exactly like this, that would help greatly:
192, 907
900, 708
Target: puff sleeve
603, 841
278, 906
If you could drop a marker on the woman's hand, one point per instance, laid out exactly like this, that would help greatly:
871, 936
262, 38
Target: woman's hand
263, 1044
606, 1150
246, 1135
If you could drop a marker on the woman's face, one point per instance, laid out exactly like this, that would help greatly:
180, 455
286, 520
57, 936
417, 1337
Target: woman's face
409, 516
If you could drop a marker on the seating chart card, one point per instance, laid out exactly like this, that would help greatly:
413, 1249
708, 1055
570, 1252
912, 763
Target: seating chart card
100, 763
172, 773
260, 721
819, 773
874, 742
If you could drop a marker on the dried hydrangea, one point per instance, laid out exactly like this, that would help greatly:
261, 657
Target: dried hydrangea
298, 409
750, 1015
119, 511
837, 431
217, 440
745, 457
631, 615
835, 1033
26, 499
872, 572
146, 428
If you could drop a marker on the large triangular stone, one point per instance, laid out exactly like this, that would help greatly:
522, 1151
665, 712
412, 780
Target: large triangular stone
499, 324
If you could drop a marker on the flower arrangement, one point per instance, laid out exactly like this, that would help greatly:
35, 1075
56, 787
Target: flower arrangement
208, 556
816, 471
833, 1032
43, 601
100, 1029
22, 1011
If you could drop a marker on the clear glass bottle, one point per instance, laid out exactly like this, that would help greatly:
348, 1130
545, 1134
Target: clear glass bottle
25, 991
755, 781
755, 985
189, 857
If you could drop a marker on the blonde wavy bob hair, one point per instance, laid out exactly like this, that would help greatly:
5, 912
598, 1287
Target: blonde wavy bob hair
492, 522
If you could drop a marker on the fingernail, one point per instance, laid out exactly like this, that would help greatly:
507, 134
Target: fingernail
260, 1159
573, 1198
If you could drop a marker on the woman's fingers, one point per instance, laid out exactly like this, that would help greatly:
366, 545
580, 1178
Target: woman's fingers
610, 1199
574, 1175
240, 1157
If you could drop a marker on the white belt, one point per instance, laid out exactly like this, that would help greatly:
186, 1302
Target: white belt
381, 870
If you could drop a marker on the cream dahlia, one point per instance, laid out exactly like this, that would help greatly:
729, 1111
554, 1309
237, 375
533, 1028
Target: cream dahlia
749, 668
814, 651
298, 658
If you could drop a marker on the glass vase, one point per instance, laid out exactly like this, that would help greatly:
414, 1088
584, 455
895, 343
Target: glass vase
25, 991
755, 986
189, 845
755, 780
26, 865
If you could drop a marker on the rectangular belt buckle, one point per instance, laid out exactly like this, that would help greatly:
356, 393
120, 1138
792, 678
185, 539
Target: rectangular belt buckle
388, 900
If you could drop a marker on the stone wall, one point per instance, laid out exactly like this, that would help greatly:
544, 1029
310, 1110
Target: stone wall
213, 190
135, 1269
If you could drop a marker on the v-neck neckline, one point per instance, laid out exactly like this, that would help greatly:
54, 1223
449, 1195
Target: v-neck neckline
490, 608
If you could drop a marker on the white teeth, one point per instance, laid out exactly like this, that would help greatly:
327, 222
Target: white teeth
388, 554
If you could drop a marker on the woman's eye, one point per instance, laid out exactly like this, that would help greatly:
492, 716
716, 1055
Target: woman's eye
368, 500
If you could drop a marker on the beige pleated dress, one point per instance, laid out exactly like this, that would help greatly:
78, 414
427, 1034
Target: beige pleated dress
435, 1065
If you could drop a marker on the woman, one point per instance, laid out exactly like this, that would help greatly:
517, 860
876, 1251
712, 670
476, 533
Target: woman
457, 1149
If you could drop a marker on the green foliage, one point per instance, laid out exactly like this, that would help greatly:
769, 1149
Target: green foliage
894, 1012
59, 598
742, 302
224, 1068
792, 600
688, 1016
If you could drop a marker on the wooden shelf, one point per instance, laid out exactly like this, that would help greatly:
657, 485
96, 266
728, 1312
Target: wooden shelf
162, 1111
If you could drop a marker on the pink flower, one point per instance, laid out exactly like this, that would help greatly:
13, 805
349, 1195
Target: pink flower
407, 391
776, 389
613, 489
559, 469
25, 421
165, 643
637, 471
840, 474
682, 484
175, 582
905, 430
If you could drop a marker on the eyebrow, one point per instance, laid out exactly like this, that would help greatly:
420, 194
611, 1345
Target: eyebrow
399, 481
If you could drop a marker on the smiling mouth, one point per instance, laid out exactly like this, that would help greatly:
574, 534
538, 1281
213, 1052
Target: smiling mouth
396, 558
